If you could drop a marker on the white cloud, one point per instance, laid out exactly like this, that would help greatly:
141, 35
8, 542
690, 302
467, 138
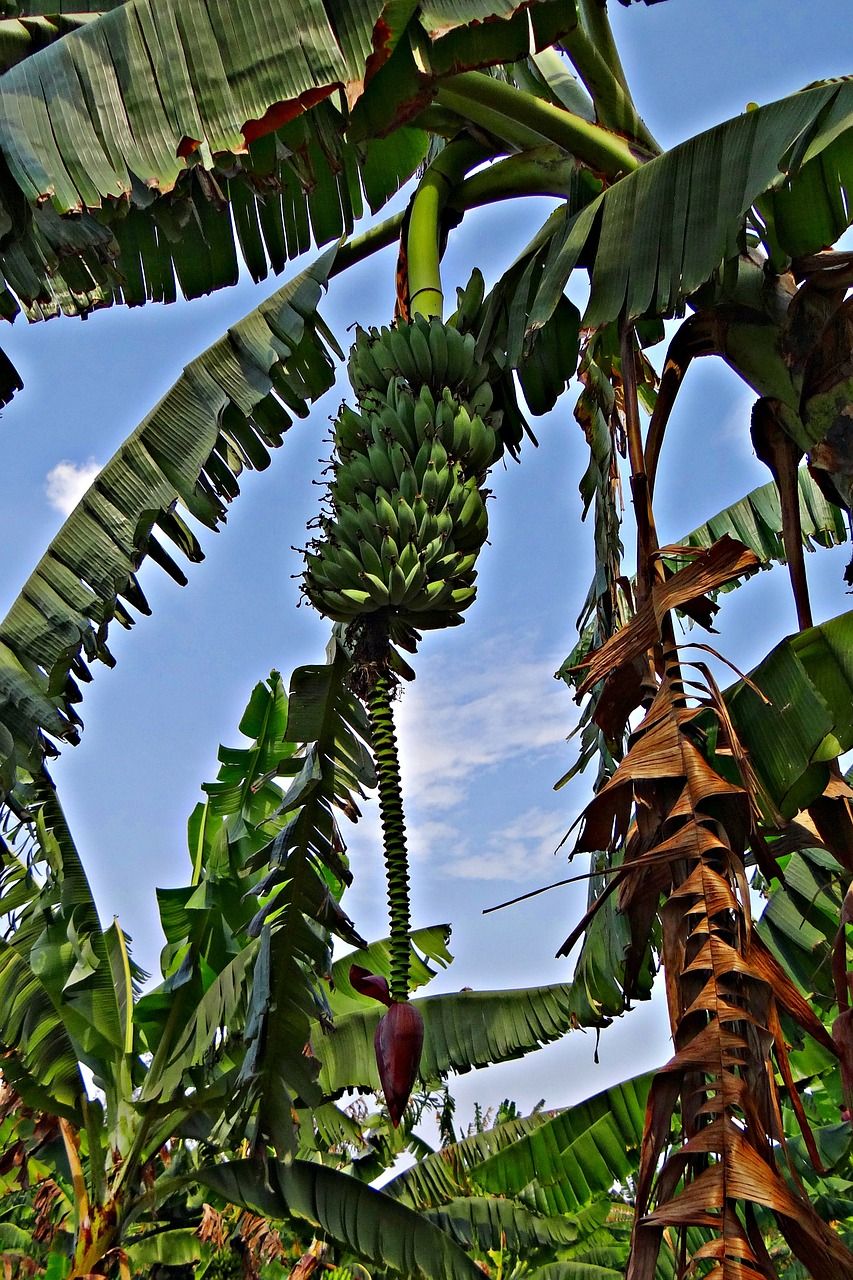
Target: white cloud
454, 725
521, 851
66, 483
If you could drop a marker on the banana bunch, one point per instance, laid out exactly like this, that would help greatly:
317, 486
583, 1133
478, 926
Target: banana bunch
406, 515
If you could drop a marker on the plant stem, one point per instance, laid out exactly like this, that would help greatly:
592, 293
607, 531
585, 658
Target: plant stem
647, 542
547, 171
595, 20
613, 103
381, 714
512, 114
423, 240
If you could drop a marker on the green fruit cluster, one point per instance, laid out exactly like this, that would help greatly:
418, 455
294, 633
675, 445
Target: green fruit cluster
406, 515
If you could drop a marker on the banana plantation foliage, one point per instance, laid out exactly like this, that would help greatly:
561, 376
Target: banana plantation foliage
231, 1117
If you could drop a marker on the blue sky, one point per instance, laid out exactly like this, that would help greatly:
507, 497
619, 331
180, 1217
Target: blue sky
483, 729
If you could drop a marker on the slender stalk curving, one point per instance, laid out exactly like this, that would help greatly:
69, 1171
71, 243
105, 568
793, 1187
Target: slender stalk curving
381, 712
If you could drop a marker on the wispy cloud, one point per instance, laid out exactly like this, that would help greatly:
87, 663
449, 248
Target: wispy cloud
454, 725
66, 483
522, 850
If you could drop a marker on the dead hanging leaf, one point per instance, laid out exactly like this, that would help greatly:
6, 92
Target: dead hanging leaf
685, 829
213, 1228
725, 560
832, 816
263, 1243
312, 1263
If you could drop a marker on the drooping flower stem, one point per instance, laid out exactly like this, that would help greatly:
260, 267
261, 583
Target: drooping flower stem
380, 710
423, 242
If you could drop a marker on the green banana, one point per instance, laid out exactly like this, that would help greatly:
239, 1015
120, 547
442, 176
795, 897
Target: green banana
422, 356
406, 515
438, 353
469, 301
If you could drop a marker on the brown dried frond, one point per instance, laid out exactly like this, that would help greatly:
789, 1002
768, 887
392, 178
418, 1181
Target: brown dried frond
685, 829
213, 1228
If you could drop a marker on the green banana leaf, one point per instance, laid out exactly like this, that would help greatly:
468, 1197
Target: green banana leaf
302, 881
23, 9
226, 411
756, 521
577, 1156
34, 26
68, 986
482, 1223
462, 1030
800, 920
365, 1221
446, 1174
248, 942
40, 1060
808, 720
176, 1247
654, 246
576, 1269
154, 120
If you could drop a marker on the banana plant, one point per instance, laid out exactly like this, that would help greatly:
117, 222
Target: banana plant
154, 147
118, 1104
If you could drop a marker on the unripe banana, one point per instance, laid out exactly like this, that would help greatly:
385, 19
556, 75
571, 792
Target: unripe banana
350, 430
409, 485
331, 570
356, 596
371, 560
380, 464
376, 589
408, 557
384, 357
481, 399
407, 525
415, 581
400, 346
407, 515
385, 514
364, 372
396, 585
419, 345
400, 462
481, 447
469, 300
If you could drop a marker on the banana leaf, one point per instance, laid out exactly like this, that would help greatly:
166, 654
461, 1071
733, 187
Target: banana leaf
756, 521
365, 1221
483, 1222
577, 1156
808, 721
302, 881
653, 246
229, 408
184, 136
67, 985
447, 1174
248, 942
462, 1030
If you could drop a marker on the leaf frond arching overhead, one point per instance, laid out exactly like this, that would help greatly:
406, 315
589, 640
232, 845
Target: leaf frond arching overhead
369, 1223
659, 233
461, 1031
229, 408
156, 124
